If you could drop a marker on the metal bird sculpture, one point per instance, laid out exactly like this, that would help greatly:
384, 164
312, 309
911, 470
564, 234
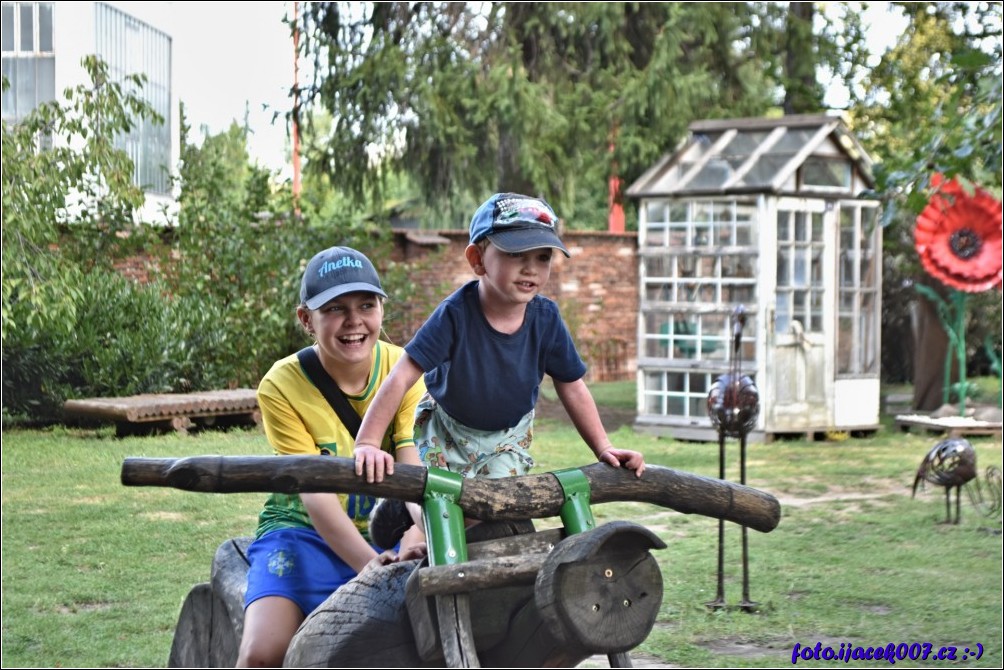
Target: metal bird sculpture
733, 406
952, 463
733, 400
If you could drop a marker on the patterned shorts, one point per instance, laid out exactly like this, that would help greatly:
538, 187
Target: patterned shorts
446, 443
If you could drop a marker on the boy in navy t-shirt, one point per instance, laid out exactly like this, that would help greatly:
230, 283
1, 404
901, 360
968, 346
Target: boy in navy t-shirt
484, 352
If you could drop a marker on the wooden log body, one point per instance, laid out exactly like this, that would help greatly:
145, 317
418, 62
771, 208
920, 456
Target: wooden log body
600, 591
497, 581
211, 621
597, 592
552, 622
363, 624
382, 619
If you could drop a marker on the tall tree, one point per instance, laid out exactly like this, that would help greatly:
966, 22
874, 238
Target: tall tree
802, 90
474, 97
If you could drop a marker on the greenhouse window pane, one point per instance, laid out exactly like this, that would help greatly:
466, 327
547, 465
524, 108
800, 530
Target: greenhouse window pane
783, 226
698, 407
826, 172
845, 346
657, 211
744, 143
679, 212
699, 383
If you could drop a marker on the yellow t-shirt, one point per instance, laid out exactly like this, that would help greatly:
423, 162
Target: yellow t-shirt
299, 421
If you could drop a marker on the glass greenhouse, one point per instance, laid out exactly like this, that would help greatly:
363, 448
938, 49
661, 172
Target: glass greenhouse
768, 214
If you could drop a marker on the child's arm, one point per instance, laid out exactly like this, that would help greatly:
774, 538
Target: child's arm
369, 457
581, 408
337, 529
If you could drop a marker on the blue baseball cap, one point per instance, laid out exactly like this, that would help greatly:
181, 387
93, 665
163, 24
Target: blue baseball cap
337, 271
516, 223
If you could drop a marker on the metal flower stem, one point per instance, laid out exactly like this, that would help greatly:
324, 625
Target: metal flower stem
995, 366
959, 299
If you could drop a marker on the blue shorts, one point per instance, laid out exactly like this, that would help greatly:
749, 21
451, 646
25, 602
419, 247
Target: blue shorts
295, 563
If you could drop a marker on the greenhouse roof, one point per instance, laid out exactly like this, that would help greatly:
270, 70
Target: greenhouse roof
760, 155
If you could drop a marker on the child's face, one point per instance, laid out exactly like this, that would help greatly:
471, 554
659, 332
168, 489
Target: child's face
347, 327
515, 277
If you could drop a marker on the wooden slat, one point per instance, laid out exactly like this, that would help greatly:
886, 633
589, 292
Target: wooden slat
151, 407
955, 426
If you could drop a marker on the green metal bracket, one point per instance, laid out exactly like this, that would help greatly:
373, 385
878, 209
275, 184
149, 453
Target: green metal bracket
444, 520
575, 511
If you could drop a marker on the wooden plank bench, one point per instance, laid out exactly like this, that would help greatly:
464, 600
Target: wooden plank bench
953, 426
142, 414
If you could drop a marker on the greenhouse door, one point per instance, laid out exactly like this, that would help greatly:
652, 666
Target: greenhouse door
798, 331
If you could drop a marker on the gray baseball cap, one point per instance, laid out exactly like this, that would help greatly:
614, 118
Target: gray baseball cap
337, 271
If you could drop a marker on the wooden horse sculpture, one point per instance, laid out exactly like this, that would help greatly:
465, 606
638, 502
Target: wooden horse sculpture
535, 599
733, 406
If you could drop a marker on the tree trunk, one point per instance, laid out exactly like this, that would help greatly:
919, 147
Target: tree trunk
930, 349
802, 91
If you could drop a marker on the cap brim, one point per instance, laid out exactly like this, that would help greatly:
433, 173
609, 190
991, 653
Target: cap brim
522, 239
335, 291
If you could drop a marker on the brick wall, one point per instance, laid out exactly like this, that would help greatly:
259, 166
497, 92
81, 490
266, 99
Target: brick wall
597, 290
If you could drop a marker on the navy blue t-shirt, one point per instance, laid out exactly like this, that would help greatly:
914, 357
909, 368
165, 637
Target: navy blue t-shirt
485, 379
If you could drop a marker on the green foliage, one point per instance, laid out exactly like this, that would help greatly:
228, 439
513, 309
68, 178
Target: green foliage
219, 306
65, 207
133, 339
123, 339
82, 180
239, 251
533, 97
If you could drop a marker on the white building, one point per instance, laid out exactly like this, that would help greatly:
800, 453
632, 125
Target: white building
43, 44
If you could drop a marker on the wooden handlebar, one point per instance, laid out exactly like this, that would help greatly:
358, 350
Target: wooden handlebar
510, 498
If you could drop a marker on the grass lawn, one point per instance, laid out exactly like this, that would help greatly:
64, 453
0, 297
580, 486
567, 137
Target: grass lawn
94, 573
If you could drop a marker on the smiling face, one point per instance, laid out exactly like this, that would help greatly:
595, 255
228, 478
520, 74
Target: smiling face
510, 279
346, 328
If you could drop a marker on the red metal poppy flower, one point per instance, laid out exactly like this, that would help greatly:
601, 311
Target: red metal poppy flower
958, 237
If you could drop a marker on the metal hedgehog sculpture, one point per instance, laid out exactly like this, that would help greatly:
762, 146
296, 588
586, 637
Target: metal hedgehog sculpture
733, 406
952, 463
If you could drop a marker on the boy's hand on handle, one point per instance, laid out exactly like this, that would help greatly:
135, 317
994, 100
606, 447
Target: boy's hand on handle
373, 462
632, 460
